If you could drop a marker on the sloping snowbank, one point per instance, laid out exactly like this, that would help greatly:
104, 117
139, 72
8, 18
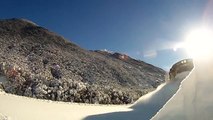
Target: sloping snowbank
194, 99
147, 106
22, 108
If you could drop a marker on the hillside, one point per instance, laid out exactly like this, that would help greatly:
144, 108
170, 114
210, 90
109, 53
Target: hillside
36, 62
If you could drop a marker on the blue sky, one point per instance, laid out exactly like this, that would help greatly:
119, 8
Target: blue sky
143, 29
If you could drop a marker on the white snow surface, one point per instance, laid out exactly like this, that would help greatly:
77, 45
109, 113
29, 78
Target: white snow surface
2, 117
23, 108
14, 107
194, 99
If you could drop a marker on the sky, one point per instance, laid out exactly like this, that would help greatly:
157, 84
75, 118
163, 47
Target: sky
146, 30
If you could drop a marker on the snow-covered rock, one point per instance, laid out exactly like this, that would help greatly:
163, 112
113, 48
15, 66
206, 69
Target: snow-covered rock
31, 55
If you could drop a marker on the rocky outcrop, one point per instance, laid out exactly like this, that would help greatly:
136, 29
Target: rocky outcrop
40, 64
120, 56
181, 66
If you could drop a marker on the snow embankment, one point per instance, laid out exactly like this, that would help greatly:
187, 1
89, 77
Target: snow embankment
23, 108
147, 106
194, 99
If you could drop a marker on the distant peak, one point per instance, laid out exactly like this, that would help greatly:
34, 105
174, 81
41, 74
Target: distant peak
117, 55
108, 51
103, 51
121, 56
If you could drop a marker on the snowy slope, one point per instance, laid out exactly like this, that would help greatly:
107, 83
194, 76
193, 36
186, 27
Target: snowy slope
194, 99
51, 67
147, 106
23, 108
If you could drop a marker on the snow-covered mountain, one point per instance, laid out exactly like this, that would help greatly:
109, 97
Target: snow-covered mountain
41, 64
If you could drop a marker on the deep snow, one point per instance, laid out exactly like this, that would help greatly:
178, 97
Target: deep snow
194, 99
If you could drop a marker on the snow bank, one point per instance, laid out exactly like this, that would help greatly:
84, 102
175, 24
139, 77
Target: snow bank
147, 106
194, 99
23, 108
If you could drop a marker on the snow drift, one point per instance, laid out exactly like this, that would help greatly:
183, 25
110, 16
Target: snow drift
194, 99
147, 106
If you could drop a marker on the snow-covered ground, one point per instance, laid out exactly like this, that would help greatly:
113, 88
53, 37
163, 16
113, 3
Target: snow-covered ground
22, 108
194, 99
147, 106
14, 107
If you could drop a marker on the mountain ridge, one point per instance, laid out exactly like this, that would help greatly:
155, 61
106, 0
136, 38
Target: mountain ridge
41, 64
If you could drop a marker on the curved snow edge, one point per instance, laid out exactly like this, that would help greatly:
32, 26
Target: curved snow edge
190, 72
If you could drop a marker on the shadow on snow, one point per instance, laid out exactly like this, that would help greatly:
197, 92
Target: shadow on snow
146, 107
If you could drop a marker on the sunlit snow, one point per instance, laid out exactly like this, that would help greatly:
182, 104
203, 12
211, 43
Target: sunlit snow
194, 99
